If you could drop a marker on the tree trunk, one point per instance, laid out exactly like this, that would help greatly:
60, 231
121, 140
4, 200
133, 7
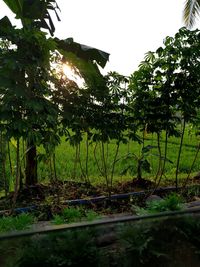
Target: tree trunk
139, 170
31, 164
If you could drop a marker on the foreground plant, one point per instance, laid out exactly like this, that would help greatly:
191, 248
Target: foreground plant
173, 202
162, 242
69, 248
70, 215
27, 110
20, 222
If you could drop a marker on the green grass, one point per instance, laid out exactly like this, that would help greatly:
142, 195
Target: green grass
20, 222
65, 157
172, 202
65, 160
70, 215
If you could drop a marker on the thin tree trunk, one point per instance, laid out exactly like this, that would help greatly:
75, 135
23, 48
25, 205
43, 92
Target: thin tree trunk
80, 162
139, 170
194, 160
17, 178
113, 165
179, 155
164, 162
3, 163
96, 160
50, 168
75, 163
31, 164
9, 159
24, 151
105, 171
54, 166
160, 157
86, 158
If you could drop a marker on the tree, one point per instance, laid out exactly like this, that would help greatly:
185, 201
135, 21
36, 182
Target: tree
191, 12
26, 108
166, 88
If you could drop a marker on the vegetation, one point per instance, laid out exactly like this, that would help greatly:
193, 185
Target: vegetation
31, 109
155, 244
172, 202
20, 222
70, 215
56, 132
71, 248
166, 242
110, 126
53, 129
191, 12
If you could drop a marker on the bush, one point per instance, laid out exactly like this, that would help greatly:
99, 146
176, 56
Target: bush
20, 222
172, 202
71, 248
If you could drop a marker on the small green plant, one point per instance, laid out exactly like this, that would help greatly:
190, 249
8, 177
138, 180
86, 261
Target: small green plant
91, 215
70, 215
20, 222
172, 202
69, 248
58, 219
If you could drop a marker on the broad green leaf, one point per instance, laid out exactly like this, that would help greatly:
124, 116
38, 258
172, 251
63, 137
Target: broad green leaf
5, 26
16, 6
13, 143
81, 58
34, 12
83, 51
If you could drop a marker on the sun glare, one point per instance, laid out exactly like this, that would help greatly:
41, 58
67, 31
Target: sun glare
72, 75
68, 71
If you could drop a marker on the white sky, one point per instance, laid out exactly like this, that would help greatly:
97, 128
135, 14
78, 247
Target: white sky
126, 29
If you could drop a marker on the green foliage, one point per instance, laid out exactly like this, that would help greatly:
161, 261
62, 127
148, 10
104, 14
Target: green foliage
20, 222
28, 81
91, 215
166, 92
58, 219
160, 242
71, 248
172, 202
141, 160
70, 215
154, 243
39, 104
34, 13
164, 87
191, 228
139, 242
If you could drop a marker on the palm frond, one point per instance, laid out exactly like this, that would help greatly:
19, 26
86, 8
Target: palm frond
191, 12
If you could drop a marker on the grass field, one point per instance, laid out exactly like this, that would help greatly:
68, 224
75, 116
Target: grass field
69, 168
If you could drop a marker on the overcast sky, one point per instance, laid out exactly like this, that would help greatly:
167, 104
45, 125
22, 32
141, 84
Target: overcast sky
126, 29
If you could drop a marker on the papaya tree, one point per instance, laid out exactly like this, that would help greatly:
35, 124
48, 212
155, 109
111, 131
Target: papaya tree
26, 76
166, 88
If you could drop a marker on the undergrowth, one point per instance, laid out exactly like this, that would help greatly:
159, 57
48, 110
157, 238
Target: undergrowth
20, 222
70, 215
172, 202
